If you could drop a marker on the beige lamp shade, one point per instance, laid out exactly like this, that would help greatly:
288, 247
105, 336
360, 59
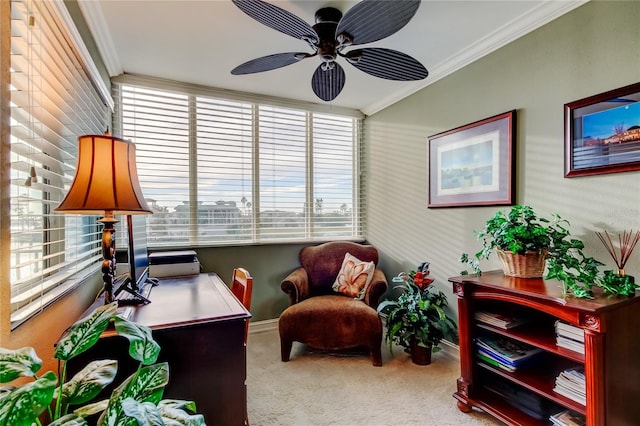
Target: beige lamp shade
106, 179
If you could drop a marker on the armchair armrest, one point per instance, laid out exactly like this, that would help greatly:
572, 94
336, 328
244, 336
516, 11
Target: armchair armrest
296, 285
376, 288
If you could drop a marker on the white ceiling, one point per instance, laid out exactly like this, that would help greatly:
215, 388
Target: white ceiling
200, 42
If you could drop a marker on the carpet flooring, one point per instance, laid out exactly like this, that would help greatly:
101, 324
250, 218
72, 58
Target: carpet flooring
344, 389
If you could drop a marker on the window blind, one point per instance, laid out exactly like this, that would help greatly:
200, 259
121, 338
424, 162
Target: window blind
335, 176
53, 101
218, 171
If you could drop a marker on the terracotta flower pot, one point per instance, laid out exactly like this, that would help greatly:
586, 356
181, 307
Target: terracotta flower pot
420, 355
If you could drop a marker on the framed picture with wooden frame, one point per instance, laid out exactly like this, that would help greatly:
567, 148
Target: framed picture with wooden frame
474, 165
602, 133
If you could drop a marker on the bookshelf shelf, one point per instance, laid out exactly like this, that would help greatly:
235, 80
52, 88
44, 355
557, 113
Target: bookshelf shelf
611, 328
537, 335
499, 409
539, 382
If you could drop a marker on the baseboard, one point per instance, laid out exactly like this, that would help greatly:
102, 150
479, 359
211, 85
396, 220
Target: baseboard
263, 326
450, 348
272, 324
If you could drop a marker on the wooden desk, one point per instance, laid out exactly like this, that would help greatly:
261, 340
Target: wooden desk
200, 328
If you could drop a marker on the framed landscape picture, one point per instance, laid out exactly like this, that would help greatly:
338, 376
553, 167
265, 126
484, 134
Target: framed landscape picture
473, 165
602, 133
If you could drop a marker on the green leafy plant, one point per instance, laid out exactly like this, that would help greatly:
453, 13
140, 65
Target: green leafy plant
472, 261
417, 315
618, 282
47, 400
618, 285
521, 230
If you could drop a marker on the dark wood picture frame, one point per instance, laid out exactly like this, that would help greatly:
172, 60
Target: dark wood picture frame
602, 133
474, 165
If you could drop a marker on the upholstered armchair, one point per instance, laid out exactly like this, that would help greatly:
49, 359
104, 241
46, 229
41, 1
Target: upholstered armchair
324, 318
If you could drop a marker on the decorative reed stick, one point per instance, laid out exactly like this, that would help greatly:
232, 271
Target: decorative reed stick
627, 242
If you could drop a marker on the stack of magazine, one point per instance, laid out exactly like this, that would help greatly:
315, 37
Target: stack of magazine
571, 383
568, 418
521, 398
503, 352
569, 336
502, 320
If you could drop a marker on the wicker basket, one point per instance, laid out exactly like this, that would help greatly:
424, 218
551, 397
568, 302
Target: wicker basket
528, 265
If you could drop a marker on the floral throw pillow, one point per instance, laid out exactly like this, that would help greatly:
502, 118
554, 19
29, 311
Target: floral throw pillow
354, 277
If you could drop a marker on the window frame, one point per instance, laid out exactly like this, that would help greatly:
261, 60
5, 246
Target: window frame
122, 84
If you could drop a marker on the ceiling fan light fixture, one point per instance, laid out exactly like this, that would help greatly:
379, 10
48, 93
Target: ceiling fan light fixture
366, 22
328, 66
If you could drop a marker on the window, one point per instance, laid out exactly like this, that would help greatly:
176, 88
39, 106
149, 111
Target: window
221, 171
53, 101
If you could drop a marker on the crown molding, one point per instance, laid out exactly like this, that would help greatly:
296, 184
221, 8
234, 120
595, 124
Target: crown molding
93, 14
511, 31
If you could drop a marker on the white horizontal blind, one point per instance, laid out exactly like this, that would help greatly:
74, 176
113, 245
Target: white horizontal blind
224, 158
335, 177
285, 208
221, 171
53, 101
158, 123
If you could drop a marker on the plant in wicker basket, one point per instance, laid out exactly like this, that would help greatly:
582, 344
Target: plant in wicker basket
526, 242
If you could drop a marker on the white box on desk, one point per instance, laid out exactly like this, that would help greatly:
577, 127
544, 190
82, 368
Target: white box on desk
175, 263
174, 269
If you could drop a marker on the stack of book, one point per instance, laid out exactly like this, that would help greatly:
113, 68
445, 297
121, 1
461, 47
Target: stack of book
571, 383
503, 352
569, 336
502, 320
568, 418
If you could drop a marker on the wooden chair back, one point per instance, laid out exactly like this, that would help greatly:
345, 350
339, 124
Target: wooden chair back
242, 287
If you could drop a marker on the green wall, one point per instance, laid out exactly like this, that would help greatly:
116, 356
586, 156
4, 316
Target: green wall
267, 264
593, 49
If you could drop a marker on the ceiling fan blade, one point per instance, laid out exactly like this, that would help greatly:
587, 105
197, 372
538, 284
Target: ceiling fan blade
270, 62
327, 84
372, 20
387, 63
277, 18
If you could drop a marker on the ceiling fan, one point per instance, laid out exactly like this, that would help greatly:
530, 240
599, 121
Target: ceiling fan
366, 22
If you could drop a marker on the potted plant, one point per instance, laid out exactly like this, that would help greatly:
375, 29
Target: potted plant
416, 320
618, 282
526, 242
55, 401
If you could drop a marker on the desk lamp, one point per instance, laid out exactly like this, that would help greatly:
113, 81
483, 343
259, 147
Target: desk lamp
106, 182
